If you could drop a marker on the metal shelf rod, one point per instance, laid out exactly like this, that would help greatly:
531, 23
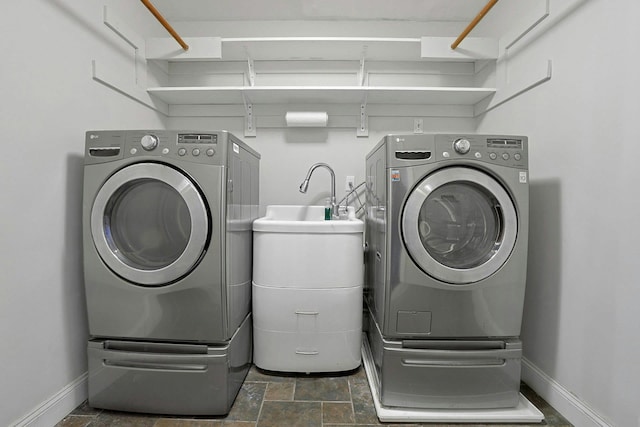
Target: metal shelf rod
165, 24
473, 23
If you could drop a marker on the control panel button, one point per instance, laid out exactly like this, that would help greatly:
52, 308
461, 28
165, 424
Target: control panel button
211, 152
195, 152
446, 155
165, 151
493, 156
133, 150
149, 142
505, 156
517, 156
182, 152
461, 146
478, 155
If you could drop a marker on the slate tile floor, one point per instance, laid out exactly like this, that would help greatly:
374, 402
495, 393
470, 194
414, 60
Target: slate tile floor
278, 400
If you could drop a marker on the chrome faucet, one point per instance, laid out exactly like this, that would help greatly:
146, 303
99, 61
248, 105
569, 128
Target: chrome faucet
305, 185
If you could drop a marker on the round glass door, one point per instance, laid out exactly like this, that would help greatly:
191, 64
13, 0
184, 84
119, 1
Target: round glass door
459, 225
149, 224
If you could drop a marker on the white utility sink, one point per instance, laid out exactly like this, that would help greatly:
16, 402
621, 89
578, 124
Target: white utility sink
306, 219
307, 290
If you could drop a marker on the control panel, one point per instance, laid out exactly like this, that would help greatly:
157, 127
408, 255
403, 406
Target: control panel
507, 151
197, 147
217, 147
416, 149
194, 147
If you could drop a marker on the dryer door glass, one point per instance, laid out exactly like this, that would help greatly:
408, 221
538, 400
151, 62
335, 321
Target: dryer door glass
459, 225
149, 224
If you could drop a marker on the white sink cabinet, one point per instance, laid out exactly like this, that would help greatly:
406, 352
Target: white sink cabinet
307, 290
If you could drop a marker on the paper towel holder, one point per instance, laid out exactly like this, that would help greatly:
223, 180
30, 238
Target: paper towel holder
309, 119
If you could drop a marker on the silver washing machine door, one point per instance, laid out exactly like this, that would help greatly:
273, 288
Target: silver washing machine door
149, 224
459, 225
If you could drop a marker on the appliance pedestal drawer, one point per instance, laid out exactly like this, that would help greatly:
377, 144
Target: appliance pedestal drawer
168, 378
441, 374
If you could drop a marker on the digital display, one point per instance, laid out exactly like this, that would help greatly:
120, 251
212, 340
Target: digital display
504, 143
197, 138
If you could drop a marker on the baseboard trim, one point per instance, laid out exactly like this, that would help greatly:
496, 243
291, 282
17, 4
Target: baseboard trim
54, 409
572, 408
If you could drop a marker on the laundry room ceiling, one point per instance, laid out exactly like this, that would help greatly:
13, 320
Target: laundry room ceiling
338, 10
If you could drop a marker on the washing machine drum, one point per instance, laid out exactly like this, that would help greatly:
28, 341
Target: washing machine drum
459, 225
149, 224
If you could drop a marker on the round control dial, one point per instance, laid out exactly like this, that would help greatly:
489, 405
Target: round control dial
462, 146
149, 142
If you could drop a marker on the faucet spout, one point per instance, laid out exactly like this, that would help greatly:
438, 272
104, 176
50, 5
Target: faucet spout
305, 185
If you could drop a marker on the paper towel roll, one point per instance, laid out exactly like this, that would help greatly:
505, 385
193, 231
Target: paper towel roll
317, 119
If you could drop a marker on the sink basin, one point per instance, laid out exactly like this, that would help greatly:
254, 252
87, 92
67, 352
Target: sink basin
294, 246
307, 219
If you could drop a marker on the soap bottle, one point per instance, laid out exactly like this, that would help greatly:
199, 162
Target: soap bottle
327, 209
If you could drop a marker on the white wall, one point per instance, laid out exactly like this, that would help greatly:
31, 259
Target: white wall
48, 100
580, 323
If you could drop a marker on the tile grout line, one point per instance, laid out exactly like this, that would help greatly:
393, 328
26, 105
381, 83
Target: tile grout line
295, 386
261, 404
353, 410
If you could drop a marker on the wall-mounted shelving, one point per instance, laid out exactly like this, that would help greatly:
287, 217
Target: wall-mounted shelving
321, 48
320, 95
388, 72
321, 70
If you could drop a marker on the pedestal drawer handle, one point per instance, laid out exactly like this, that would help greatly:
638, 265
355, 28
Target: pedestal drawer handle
308, 353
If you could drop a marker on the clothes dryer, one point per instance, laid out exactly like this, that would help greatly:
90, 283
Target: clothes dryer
446, 242
167, 236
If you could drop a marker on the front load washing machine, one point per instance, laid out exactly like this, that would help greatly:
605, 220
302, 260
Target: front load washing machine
446, 243
167, 235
